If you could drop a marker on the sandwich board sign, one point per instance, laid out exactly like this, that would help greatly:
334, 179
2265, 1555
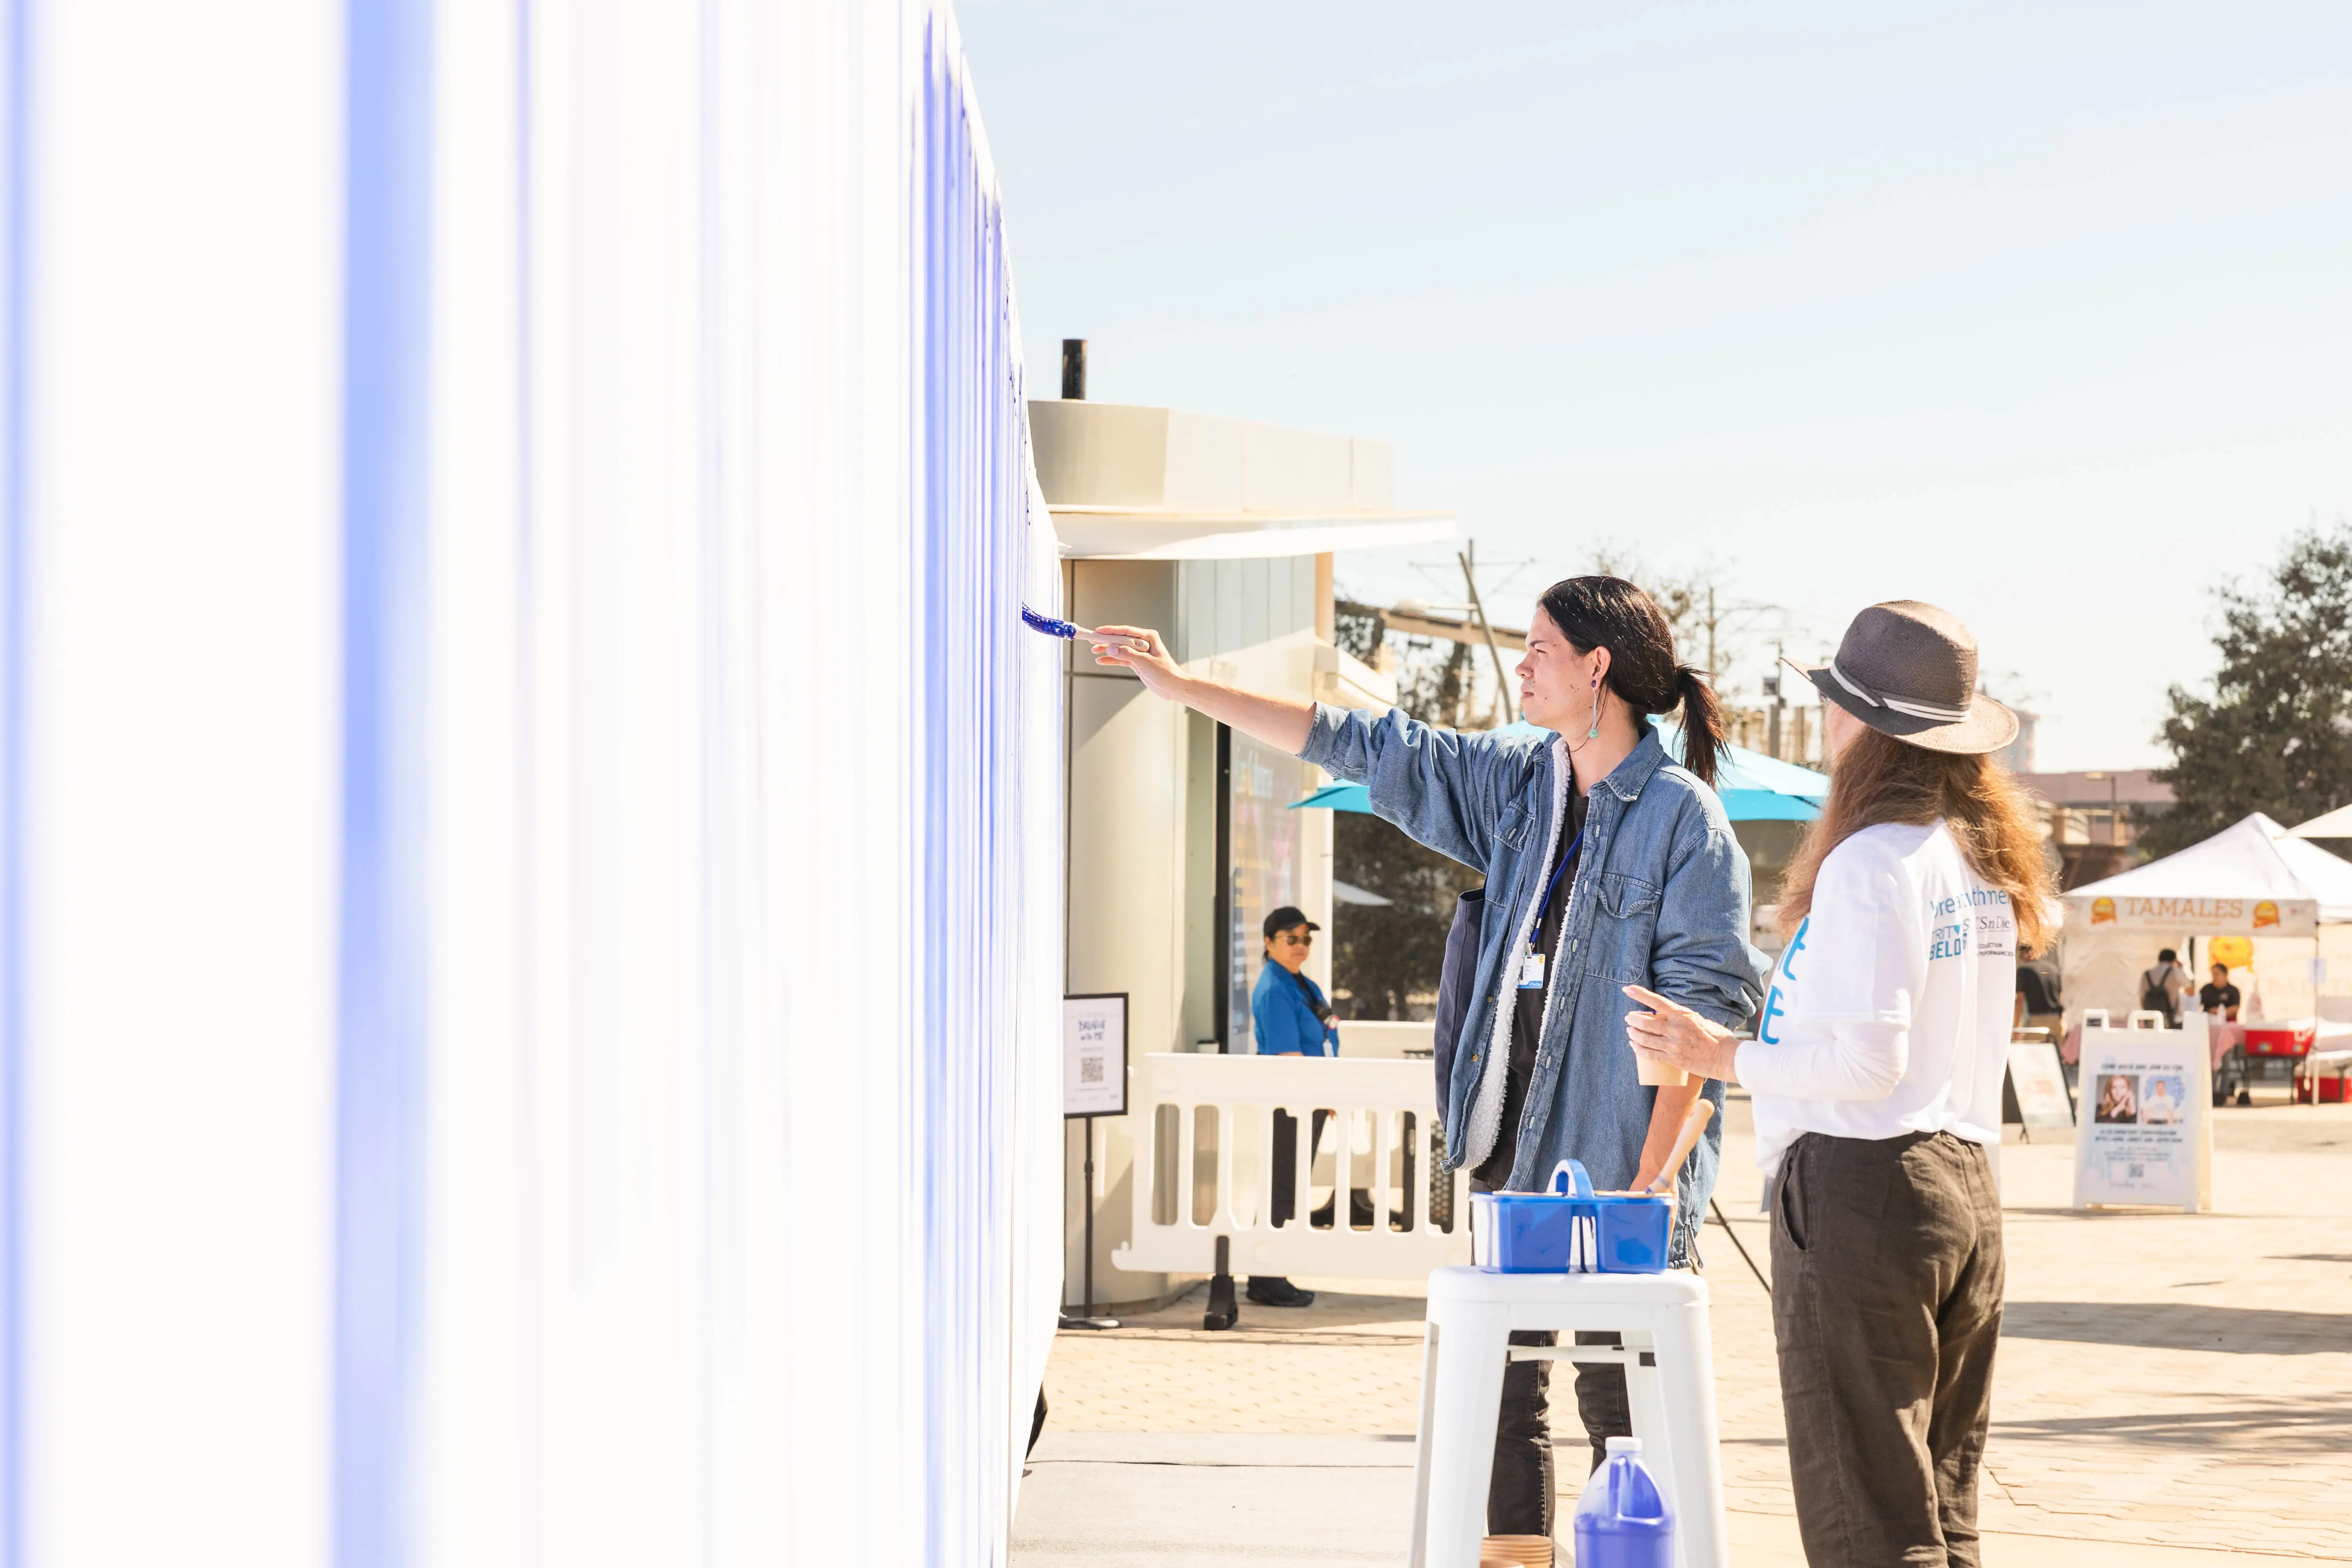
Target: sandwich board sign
2037, 1083
2145, 1137
1094, 1055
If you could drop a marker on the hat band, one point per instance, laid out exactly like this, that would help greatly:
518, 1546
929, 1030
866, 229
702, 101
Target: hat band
1938, 710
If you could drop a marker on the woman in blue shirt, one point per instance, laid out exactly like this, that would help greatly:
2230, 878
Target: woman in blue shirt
1288, 1012
1289, 1017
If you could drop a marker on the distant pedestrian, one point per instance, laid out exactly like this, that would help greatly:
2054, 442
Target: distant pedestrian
2162, 986
1875, 1075
2218, 996
1289, 1017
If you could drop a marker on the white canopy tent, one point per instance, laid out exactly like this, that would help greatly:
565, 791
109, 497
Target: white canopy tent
2337, 824
2253, 880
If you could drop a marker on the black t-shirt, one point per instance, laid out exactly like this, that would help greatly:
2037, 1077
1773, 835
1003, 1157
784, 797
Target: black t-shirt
1528, 1006
2214, 998
2035, 987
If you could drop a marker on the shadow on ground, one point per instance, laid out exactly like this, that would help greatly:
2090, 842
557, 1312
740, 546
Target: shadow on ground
2283, 1426
2182, 1326
1339, 1315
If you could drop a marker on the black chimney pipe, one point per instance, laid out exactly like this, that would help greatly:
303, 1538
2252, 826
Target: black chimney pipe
1073, 369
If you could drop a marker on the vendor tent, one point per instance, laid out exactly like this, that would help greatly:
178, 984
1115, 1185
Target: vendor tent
2337, 824
2253, 879
1754, 787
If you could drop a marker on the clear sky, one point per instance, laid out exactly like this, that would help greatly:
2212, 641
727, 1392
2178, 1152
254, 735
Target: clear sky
2042, 312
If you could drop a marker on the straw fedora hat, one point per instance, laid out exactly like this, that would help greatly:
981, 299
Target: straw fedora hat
1909, 671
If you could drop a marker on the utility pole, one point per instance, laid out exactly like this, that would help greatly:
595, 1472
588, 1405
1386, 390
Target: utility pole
1772, 690
1502, 682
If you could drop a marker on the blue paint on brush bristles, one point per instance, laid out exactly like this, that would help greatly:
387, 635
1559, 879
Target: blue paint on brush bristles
1054, 628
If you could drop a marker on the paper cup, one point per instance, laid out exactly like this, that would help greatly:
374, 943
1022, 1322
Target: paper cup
1657, 1074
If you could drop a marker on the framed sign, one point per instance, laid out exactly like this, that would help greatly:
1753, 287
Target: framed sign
2146, 1136
2038, 1084
1094, 1055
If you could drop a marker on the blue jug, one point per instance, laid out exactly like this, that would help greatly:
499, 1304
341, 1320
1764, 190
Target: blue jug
1621, 1521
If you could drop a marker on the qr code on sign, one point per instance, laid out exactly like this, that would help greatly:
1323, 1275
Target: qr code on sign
1090, 1070
2134, 1173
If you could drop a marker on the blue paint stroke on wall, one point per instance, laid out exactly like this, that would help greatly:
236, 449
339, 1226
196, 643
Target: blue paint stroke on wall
971, 530
15, 171
380, 960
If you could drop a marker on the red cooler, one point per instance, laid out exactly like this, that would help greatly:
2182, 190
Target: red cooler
2285, 1037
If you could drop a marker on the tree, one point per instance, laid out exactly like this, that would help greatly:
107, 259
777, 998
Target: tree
2275, 735
1386, 958
1700, 600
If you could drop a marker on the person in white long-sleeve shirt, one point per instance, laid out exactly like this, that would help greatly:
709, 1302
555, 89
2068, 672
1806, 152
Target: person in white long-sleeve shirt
1905, 1027
1875, 1071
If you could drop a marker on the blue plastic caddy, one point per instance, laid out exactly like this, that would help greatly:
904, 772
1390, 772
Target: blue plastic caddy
1570, 1229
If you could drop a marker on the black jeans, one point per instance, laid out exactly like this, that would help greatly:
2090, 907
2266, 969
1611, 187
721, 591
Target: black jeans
1886, 1287
1283, 1200
1520, 1496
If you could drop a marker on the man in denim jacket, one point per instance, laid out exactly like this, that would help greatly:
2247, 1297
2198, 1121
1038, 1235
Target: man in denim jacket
1607, 864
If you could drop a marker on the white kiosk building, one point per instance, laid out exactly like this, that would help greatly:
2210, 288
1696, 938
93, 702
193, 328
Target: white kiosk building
1219, 534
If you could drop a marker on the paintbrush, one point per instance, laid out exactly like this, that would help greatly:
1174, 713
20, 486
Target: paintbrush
1686, 1140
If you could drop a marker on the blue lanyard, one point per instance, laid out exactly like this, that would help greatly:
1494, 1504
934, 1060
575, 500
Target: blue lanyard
1535, 931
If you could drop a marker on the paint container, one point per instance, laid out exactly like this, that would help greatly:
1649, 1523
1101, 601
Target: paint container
1570, 1229
1621, 1519
1632, 1231
1535, 1232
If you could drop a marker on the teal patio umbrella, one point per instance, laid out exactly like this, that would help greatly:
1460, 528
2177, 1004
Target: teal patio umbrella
1754, 787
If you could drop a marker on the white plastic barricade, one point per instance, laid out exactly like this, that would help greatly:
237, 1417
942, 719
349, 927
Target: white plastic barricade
1378, 1142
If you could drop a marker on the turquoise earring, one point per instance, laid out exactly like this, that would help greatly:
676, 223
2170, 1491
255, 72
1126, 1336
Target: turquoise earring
1594, 734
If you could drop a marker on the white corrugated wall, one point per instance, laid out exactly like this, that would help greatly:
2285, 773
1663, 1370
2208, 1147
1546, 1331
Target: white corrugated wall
529, 837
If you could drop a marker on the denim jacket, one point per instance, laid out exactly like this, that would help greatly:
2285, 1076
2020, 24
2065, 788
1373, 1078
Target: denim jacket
1661, 901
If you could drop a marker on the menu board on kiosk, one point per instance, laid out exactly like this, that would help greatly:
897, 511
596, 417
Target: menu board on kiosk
2143, 1137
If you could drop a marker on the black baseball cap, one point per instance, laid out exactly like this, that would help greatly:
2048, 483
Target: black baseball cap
1285, 918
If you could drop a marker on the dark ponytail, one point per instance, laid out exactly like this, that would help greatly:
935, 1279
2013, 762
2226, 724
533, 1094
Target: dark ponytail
1611, 613
1701, 723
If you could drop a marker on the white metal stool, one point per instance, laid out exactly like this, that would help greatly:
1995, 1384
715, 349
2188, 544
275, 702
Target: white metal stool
1669, 1376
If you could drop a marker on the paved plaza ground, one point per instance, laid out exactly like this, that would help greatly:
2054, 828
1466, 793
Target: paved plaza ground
2171, 1390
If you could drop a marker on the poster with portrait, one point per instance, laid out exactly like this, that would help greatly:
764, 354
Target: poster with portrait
2144, 1137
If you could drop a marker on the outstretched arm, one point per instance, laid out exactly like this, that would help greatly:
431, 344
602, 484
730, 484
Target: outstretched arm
1277, 720
1437, 786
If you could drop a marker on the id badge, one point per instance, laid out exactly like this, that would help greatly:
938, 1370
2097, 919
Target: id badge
1531, 970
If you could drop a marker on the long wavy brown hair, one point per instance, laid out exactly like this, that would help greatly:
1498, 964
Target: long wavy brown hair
1878, 778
